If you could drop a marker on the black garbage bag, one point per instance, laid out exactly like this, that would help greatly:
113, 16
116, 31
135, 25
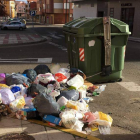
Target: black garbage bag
46, 105
42, 69
69, 94
17, 79
36, 88
31, 74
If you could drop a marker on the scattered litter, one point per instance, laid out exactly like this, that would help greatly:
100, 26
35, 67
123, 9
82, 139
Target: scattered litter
58, 96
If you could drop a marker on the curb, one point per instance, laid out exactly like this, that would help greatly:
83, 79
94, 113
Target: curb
133, 40
26, 43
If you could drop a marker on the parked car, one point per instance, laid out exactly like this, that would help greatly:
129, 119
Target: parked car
14, 25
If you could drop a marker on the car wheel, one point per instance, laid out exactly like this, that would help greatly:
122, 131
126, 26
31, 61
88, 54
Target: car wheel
5, 28
20, 28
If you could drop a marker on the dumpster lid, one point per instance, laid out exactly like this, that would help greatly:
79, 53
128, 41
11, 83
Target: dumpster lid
88, 25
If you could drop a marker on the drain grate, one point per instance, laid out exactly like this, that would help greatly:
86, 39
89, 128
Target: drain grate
16, 136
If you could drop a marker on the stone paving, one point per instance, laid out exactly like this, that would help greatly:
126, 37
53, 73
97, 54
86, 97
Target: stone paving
10, 125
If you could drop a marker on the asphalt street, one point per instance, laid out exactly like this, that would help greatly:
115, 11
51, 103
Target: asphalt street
54, 48
121, 100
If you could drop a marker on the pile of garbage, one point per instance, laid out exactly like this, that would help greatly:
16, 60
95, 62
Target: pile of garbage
58, 96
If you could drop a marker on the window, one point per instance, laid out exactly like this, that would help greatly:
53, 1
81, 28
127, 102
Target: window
43, 6
77, 5
17, 23
112, 12
13, 23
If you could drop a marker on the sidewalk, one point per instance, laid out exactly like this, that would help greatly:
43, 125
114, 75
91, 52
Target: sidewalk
10, 125
135, 39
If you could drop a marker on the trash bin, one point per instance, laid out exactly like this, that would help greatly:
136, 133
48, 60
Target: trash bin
97, 47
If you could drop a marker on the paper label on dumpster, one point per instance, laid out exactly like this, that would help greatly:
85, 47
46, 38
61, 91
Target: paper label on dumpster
91, 43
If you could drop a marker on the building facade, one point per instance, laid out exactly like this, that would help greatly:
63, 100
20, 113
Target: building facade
85, 8
124, 10
2, 9
21, 9
54, 11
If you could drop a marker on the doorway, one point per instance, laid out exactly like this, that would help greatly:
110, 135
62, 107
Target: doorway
127, 16
100, 13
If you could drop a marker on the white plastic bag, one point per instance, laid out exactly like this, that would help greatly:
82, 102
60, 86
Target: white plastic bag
62, 75
77, 81
70, 121
44, 78
62, 101
22, 92
7, 96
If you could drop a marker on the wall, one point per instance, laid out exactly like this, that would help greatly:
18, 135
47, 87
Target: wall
102, 7
117, 13
7, 8
13, 12
85, 9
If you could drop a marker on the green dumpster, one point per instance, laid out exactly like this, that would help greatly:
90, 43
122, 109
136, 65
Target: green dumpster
97, 47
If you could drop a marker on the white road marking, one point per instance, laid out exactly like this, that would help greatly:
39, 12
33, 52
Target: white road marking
27, 60
54, 36
131, 86
59, 46
45, 60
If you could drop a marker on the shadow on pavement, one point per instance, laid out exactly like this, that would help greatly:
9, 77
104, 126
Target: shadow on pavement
132, 52
120, 137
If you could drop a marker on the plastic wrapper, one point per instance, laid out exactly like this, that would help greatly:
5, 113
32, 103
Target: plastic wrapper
44, 79
104, 129
17, 104
7, 96
80, 105
2, 78
100, 89
3, 86
29, 102
89, 117
69, 94
102, 119
62, 75
77, 81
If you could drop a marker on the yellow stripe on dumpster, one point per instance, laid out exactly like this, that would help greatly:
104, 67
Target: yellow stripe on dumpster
70, 131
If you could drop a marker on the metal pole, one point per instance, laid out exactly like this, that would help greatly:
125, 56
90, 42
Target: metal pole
66, 11
69, 11
32, 22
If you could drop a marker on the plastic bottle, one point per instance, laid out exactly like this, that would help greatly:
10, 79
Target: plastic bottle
71, 105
